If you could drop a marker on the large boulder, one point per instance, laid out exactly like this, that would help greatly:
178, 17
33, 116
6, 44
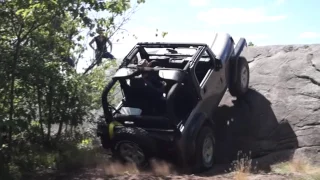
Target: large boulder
281, 111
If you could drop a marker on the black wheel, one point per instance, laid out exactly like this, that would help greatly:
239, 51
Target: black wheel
133, 145
205, 145
241, 85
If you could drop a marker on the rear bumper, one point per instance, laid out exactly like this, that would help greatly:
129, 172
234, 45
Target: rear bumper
165, 143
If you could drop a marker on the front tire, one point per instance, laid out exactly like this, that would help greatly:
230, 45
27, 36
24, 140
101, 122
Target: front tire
205, 145
241, 84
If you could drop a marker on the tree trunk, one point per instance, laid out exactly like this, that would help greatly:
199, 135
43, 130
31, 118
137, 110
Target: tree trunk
50, 96
40, 112
12, 88
62, 117
66, 128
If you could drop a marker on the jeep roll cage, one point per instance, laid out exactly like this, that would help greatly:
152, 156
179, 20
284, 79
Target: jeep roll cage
173, 74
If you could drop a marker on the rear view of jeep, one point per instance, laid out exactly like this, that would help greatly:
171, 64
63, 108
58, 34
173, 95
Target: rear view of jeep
168, 91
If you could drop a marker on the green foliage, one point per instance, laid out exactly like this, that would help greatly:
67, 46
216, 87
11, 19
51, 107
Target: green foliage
43, 100
250, 44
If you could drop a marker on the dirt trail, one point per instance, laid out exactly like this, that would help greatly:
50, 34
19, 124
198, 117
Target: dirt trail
160, 171
99, 174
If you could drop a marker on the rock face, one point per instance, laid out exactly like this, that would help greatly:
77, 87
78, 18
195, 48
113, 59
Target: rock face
281, 111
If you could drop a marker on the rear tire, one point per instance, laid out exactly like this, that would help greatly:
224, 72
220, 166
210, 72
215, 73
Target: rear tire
241, 84
133, 145
205, 145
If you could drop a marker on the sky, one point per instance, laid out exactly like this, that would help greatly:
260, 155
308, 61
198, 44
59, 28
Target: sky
263, 22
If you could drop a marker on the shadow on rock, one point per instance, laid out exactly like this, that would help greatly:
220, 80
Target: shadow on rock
249, 125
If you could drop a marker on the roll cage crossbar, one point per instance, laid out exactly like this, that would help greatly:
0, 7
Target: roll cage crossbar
169, 45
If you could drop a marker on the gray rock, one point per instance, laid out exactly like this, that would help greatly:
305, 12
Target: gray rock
281, 111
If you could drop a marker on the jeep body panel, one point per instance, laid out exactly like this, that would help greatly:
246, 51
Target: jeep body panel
212, 88
223, 48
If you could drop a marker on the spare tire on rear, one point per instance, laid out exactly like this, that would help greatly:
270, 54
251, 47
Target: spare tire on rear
132, 144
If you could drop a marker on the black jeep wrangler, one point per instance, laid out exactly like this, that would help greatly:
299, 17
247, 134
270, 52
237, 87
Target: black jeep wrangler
168, 102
